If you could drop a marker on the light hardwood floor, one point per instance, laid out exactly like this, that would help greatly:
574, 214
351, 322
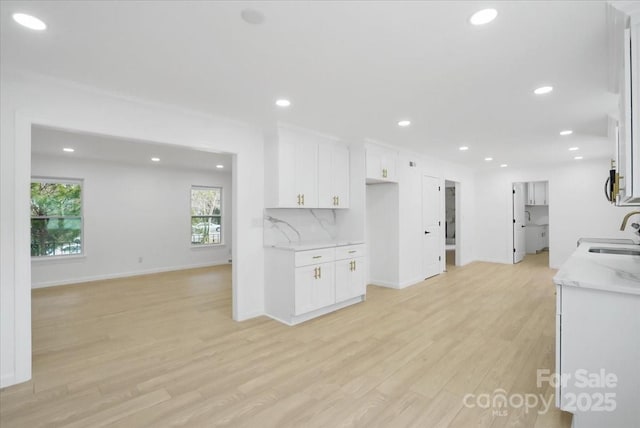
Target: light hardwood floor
162, 350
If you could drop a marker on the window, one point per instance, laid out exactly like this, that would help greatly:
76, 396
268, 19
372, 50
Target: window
56, 217
206, 215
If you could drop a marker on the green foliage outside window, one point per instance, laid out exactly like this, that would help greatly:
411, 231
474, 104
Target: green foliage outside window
56, 218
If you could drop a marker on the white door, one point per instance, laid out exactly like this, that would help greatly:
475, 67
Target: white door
431, 248
519, 246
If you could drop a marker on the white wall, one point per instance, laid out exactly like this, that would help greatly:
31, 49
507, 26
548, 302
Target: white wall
382, 235
577, 208
26, 99
132, 211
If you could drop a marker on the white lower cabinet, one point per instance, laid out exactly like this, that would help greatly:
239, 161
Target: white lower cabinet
350, 279
314, 287
301, 285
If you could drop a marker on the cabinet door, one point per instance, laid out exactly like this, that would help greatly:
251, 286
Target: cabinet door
530, 194
326, 195
350, 279
306, 173
388, 166
540, 197
374, 162
314, 287
340, 176
333, 176
287, 185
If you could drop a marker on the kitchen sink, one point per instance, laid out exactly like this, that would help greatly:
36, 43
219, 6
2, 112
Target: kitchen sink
622, 251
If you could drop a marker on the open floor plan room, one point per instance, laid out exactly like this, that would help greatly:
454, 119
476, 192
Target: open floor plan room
319, 213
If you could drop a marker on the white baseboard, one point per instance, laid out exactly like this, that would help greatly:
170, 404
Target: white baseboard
250, 316
380, 283
411, 282
125, 274
493, 260
7, 380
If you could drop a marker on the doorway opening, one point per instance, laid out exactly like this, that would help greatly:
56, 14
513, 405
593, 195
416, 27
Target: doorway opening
452, 223
114, 217
530, 218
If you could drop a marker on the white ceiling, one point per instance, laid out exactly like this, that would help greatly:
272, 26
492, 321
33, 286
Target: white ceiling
51, 142
351, 69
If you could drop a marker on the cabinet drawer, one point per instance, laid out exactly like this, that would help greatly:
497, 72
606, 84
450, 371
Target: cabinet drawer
349, 252
312, 257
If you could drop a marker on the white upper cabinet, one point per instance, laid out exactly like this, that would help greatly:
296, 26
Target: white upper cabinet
628, 135
381, 164
333, 175
304, 170
628, 159
537, 193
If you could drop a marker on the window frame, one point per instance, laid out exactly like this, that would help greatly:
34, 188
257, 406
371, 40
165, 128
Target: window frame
221, 216
62, 180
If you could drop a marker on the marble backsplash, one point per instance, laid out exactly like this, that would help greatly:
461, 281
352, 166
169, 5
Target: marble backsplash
283, 226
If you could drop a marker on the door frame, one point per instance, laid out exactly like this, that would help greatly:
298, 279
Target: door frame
24, 122
512, 221
458, 221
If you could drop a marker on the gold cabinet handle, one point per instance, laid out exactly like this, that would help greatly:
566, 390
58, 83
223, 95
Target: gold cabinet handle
298, 199
315, 273
354, 265
319, 273
317, 257
351, 266
337, 200
353, 251
303, 199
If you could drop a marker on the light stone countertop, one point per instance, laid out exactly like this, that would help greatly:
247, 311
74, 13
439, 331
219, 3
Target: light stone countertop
607, 272
303, 246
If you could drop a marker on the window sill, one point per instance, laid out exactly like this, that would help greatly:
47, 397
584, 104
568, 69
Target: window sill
195, 247
58, 259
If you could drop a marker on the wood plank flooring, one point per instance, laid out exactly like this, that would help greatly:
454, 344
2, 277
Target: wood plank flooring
162, 350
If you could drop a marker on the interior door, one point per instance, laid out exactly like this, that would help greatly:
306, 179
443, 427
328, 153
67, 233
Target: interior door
519, 224
431, 248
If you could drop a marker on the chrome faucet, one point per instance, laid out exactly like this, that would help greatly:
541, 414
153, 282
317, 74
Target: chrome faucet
626, 218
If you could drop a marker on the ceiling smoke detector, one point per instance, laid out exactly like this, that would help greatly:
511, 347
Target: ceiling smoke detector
252, 16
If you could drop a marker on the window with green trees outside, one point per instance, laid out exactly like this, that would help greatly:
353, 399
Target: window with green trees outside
56, 217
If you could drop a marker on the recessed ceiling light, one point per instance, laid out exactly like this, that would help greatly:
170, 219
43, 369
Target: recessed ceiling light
219, 166
483, 16
155, 159
404, 123
463, 148
504, 165
543, 90
282, 102
566, 132
573, 149
252, 16
68, 150
578, 157
29, 21
488, 159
